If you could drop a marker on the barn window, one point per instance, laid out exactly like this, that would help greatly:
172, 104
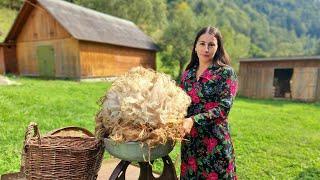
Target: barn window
281, 83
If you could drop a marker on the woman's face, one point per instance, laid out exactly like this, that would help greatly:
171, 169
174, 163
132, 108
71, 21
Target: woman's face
206, 47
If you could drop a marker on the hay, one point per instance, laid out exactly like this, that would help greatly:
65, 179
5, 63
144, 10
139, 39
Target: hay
145, 106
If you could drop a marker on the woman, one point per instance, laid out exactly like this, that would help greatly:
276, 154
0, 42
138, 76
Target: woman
207, 152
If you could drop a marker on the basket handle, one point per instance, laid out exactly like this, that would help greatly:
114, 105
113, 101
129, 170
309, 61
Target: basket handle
71, 128
32, 128
32, 131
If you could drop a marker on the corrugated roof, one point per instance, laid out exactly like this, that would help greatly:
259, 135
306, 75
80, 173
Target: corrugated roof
296, 58
89, 25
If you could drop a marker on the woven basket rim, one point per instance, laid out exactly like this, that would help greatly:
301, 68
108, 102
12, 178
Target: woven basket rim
68, 137
53, 147
94, 143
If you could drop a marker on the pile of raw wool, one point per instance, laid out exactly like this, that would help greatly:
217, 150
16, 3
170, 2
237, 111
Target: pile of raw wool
144, 106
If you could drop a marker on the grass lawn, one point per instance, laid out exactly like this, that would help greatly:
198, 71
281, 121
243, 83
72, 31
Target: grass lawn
273, 139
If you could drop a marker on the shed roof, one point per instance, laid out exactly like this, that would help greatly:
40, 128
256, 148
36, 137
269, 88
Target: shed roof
296, 58
89, 25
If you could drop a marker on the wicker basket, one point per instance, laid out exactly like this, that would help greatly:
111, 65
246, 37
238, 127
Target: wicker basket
61, 157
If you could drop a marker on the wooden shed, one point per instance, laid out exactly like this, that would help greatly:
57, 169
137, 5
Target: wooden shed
55, 38
296, 78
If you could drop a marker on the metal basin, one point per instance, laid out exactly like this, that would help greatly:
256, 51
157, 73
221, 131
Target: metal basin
137, 151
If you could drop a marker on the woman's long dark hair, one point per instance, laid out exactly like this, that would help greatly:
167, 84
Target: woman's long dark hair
221, 57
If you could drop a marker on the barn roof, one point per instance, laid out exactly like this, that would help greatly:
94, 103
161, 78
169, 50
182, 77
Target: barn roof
296, 58
89, 25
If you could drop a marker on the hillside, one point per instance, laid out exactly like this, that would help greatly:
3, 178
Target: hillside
268, 24
7, 17
302, 17
275, 27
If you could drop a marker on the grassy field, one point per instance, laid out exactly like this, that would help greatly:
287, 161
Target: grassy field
273, 139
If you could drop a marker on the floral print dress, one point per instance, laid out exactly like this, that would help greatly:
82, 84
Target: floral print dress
207, 152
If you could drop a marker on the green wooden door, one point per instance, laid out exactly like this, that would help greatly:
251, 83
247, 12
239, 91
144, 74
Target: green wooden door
46, 64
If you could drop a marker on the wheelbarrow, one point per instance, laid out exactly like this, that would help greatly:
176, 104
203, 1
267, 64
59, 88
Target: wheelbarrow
140, 152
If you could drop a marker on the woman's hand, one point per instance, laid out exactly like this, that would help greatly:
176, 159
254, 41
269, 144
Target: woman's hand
187, 125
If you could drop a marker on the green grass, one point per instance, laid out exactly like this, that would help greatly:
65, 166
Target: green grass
52, 104
7, 17
276, 139
273, 139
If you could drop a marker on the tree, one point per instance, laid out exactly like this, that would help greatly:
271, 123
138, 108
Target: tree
256, 52
180, 35
237, 45
11, 4
149, 15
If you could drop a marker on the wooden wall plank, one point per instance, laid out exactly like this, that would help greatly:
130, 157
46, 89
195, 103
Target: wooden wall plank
41, 26
10, 59
269, 93
304, 83
242, 79
2, 65
318, 86
257, 78
266, 82
102, 60
66, 57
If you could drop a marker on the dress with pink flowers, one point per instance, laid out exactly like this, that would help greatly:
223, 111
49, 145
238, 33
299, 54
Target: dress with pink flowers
208, 151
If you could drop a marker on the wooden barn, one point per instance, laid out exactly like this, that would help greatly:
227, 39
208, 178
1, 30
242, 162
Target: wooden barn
296, 78
54, 38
